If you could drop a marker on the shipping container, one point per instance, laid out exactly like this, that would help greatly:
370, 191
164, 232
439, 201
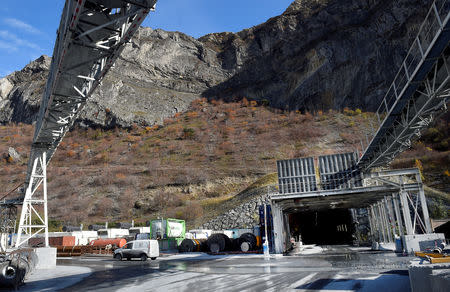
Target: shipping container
167, 228
134, 231
52, 241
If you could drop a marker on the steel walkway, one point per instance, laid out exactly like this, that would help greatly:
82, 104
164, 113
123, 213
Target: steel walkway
90, 37
419, 92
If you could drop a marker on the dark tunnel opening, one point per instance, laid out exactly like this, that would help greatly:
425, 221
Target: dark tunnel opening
326, 227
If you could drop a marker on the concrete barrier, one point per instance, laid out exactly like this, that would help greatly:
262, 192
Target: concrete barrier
46, 257
421, 242
429, 277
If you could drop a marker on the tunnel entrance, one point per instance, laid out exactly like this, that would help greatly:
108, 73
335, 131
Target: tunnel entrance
326, 227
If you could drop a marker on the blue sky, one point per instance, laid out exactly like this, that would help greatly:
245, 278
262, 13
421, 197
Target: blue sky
28, 29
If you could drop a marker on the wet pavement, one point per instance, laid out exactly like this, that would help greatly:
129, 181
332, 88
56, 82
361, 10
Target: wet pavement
337, 268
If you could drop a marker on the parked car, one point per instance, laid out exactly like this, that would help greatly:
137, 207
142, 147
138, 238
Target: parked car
142, 249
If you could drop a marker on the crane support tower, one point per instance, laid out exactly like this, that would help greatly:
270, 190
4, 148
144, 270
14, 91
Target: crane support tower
90, 37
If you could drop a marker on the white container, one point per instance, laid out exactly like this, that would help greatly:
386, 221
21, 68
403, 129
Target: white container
138, 230
200, 233
112, 233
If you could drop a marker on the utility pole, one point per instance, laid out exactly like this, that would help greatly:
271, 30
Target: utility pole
266, 243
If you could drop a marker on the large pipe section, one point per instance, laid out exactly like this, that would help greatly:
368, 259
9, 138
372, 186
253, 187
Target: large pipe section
218, 242
246, 242
114, 242
192, 245
68, 228
15, 267
124, 225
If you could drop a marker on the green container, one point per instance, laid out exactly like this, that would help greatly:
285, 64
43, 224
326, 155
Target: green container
167, 228
169, 232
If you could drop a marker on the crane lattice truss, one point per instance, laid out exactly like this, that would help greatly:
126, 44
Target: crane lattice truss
90, 37
419, 92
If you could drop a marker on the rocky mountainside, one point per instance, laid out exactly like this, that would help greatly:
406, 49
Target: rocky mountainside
318, 54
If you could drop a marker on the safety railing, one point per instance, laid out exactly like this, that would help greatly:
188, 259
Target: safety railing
421, 57
434, 23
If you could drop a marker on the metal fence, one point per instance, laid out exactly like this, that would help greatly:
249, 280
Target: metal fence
339, 171
328, 172
296, 175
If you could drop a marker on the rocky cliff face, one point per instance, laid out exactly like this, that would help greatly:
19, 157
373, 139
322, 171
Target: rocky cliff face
318, 54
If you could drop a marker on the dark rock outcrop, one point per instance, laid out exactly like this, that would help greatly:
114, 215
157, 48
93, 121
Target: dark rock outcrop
318, 54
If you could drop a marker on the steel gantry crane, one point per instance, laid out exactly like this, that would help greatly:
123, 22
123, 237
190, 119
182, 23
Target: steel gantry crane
90, 37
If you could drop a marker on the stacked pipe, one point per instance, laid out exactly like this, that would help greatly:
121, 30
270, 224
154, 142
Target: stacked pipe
16, 266
69, 251
218, 242
192, 245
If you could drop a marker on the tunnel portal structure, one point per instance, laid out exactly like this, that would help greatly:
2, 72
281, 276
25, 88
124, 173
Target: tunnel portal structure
317, 196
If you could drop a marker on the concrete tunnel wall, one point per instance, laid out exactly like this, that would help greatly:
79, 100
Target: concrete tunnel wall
333, 226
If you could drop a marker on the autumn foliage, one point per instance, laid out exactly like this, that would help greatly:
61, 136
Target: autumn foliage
172, 169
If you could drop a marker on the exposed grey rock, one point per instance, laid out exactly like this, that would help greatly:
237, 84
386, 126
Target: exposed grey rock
22, 101
5, 88
14, 154
317, 54
320, 53
241, 216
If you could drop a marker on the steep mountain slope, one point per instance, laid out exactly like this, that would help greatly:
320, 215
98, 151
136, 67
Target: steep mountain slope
318, 54
191, 168
200, 163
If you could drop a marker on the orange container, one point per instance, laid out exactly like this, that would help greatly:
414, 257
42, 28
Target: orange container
52, 241
119, 242
62, 240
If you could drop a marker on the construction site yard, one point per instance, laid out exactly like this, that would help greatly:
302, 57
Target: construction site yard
337, 268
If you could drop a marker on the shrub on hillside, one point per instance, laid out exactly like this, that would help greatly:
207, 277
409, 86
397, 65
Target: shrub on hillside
188, 133
189, 212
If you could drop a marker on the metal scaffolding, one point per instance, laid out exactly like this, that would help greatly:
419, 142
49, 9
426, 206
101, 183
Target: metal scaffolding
391, 217
31, 221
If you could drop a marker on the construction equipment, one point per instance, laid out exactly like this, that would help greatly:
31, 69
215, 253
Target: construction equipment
433, 257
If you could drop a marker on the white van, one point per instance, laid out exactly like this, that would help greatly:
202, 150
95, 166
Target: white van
142, 249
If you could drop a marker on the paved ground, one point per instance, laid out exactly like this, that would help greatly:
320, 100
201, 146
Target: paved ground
335, 269
50, 280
